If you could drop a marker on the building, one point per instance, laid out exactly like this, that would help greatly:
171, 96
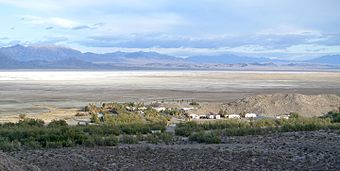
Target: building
282, 117
217, 116
234, 116
194, 116
203, 117
211, 116
159, 109
250, 115
142, 108
186, 109
156, 131
130, 108
101, 116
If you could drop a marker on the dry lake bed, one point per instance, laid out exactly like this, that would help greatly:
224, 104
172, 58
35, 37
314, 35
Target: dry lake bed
28, 91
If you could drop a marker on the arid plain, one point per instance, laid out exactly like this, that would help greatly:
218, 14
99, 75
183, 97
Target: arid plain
32, 92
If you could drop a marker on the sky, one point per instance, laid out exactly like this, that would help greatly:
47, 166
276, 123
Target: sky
282, 29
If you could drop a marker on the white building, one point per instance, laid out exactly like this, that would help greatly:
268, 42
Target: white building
211, 116
234, 116
185, 109
129, 108
194, 116
282, 117
142, 108
158, 109
250, 115
217, 116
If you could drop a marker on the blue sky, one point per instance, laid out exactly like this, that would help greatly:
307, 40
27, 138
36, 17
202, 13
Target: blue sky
286, 29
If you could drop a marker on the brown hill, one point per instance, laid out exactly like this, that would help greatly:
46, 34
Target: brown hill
275, 104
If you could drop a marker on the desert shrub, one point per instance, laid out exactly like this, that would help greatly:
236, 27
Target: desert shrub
32, 144
173, 112
128, 139
57, 123
89, 142
294, 115
205, 137
264, 123
194, 103
101, 130
152, 138
6, 145
185, 129
333, 116
31, 122
106, 141
249, 131
22, 116
141, 128
54, 144
165, 137
111, 141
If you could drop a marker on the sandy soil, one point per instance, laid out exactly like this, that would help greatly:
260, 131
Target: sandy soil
52, 114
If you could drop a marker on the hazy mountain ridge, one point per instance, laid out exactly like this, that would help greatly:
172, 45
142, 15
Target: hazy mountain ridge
331, 59
46, 57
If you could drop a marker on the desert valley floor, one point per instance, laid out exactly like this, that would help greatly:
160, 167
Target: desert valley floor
31, 91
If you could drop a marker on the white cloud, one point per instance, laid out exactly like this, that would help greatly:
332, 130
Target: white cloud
52, 21
62, 22
286, 29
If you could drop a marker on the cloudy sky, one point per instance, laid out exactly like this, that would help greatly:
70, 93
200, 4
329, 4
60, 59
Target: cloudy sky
294, 29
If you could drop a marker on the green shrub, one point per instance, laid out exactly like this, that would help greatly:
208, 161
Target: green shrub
54, 144
166, 137
128, 139
152, 138
89, 142
57, 123
106, 141
194, 103
9, 145
333, 116
294, 115
185, 129
205, 137
31, 122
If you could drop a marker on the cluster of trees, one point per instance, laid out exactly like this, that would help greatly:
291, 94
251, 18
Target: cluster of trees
117, 114
203, 132
34, 133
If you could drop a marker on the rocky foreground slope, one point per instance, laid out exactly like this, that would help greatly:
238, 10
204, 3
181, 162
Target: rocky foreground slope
8, 163
276, 104
317, 150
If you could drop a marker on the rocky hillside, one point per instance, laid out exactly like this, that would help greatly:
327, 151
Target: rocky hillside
9, 163
274, 104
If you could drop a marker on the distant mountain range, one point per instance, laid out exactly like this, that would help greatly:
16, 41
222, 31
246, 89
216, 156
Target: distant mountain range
55, 57
333, 60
